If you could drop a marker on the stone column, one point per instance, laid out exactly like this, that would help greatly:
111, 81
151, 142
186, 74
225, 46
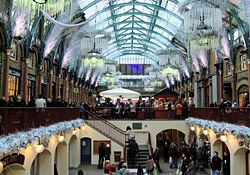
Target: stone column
248, 67
39, 83
50, 84
58, 86
233, 83
6, 73
221, 84
25, 80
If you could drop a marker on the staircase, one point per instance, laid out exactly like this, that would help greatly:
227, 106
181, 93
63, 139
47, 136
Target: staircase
106, 128
142, 157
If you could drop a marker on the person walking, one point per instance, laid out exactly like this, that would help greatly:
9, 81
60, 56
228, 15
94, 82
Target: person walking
133, 150
166, 151
156, 157
216, 164
226, 164
150, 165
191, 167
139, 170
173, 154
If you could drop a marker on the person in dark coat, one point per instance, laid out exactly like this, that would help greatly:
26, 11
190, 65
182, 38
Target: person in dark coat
133, 150
139, 170
166, 151
80, 172
216, 164
19, 102
102, 152
120, 164
184, 165
3, 102
191, 166
226, 164
156, 157
11, 101
32, 102
174, 154
185, 110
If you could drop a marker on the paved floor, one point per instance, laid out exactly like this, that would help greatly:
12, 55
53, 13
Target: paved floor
92, 170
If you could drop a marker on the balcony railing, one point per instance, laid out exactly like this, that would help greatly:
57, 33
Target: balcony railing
23, 119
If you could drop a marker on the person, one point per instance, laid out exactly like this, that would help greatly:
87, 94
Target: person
40, 102
32, 102
150, 165
174, 154
222, 104
184, 165
102, 152
178, 111
169, 110
120, 164
3, 103
226, 163
81, 110
107, 152
185, 110
80, 172
234, 104
166, 150
11, 101
191, 166
156, 157
216, 164
107, 167
124, 170
19, 102
139, 170
133, 150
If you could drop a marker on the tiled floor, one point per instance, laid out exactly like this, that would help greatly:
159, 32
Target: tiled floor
92, 170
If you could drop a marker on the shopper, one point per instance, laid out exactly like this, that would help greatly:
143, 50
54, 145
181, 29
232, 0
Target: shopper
124, 170
216, 164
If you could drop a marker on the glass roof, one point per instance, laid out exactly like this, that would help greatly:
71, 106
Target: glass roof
140, 27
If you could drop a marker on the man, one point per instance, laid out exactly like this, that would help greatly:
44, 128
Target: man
156, 157
216, 164
40, 102
169, 110
133, 150
102, 152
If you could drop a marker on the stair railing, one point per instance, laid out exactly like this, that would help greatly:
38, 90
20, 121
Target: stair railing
106, 128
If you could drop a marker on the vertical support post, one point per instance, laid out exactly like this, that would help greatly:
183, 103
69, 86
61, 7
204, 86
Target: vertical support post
50, 85
221, 84
40, 76
58, 86
248, 67
6, 73
233, 83
25, 81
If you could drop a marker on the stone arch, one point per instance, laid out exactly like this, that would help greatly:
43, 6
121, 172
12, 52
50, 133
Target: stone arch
61, 159
14, 169
241, 161
74, 150
42, 163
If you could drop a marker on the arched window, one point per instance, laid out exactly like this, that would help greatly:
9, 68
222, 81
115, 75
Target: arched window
243, 62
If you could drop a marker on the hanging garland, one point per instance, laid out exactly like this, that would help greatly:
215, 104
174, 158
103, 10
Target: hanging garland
236, 130
13, 143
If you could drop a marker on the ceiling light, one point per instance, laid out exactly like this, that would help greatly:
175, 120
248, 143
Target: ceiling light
39, 147
40, 1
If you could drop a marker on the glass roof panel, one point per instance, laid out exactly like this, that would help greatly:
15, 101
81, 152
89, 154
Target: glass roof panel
139, 27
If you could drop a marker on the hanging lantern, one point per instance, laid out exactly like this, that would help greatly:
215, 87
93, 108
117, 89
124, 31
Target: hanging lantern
223, 138
203, 26
205, 132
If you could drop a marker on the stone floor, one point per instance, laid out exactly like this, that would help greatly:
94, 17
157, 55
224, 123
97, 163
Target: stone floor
92, 170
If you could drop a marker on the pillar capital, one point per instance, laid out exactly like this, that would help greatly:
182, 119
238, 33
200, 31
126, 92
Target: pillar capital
248, 61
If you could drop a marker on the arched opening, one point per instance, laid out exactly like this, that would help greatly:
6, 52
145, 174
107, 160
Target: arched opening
241, 161
242, 94
224, 154
74, 158
42, 164
165, 138
61, 159
14, 170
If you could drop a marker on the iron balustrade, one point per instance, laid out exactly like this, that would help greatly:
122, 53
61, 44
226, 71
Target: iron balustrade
24, 119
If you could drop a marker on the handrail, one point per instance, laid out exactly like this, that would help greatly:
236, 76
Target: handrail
105, 121
109, 130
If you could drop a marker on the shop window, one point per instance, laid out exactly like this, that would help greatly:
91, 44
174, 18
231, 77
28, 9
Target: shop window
228, 68
13, 85
242, 94
31, 89
243, 62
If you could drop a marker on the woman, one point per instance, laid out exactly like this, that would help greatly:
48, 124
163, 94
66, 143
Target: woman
107, 168
124, 170
150, 165
191, 167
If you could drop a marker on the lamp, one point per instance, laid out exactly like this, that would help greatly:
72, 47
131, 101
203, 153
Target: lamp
74, 131
83, 127
223, 138
40, 1
39, 147
1, 166
61, 138
205, 132
192, 128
